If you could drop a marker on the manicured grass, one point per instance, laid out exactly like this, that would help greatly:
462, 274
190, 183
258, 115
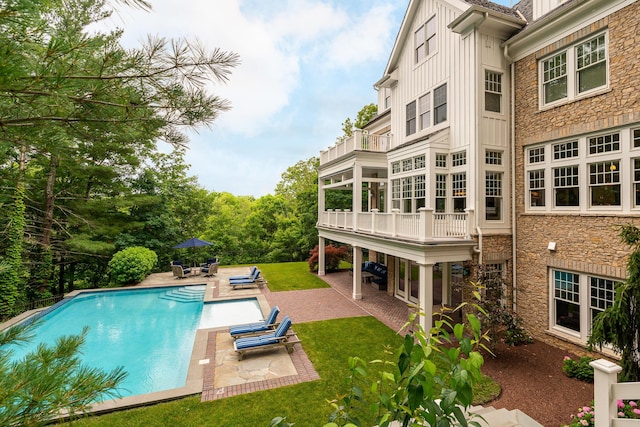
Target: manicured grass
290, 276
327, 343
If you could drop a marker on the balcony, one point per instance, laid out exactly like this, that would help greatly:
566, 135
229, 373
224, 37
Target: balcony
423, 226
359, 141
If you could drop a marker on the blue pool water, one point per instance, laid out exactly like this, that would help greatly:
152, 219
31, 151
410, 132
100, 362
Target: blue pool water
148, 331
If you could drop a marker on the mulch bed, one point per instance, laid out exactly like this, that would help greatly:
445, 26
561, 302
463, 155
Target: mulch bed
532, 381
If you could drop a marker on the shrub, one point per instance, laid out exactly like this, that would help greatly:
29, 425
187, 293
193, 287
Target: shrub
579, 369
131, 265
585, 416
332, 257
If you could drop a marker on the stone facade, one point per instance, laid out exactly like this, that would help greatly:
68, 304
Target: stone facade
586, 243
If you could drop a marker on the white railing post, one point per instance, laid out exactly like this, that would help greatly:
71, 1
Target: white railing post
605, 374
357, 139
425, 225
330, 218
346, 218
373, 220
394, 221
471, 221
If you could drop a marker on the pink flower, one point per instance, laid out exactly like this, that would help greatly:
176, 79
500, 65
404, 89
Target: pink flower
586, 409
632, 404
636, 411
621, 414
620, 404
580, 414
584, 422
566, 358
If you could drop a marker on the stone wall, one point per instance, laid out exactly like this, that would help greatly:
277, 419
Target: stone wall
586, 243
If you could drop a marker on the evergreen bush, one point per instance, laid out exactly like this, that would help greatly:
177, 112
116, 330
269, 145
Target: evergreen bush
132, 265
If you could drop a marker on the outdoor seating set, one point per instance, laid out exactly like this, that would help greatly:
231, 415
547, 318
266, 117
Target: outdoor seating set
251, 279
264, 335
208, 269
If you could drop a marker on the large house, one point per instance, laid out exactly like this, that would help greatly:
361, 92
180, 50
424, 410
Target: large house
507, 138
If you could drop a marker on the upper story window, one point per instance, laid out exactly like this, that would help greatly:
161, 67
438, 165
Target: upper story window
493, 91
459, 159
459, 187
395, 167
419, 162
387, 98
424, 107
636, 138
441, 160
440, 104
425, 40
578, 70
536, 155
604, 143
493, 157
411, 118
565, 150
407, 165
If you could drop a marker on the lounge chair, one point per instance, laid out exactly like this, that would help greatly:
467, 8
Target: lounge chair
255, 279
180, 272
245, 276
277, 338
268, 325
210, 270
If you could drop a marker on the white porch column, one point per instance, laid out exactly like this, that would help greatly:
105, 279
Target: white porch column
321, 261
446, 283
426, 296
356, 194
357, 272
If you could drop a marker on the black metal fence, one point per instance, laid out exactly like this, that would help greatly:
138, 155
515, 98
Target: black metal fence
31, 305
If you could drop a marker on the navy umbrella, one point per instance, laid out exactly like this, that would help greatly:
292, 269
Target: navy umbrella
193, 243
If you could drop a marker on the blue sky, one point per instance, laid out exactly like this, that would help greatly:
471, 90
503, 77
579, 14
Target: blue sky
306, 66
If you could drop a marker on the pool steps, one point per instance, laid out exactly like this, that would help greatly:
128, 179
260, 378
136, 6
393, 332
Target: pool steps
185, 294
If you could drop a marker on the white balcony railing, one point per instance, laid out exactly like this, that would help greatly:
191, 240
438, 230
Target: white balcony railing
423, 226
607, 392
359, 141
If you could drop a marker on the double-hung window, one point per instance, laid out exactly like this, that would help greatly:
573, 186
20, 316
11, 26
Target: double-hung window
536, 188
578, 70
493, 91
411, 118
566, 186
425, 40
440, 104
441, 193
459, 186
493, 196
424, 108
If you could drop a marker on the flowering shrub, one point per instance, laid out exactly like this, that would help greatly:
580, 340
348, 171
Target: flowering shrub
626, 409
578, 369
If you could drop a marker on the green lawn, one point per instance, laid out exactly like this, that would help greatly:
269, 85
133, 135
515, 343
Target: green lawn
327, 343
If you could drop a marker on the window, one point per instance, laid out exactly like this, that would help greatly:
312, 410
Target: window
395, 167
441, 193
420, 191
536, 188
387, 98
440, 104
604, 143
565, 150
424, 105
493, 157
602, 293
536, 155
441, 160
492, 91
555, 78
419, 162
459, 159
407, 165
459, 185
567, 299
411, 118
578, 70
565, 186
425, 39
493, 196
592, 64
636, 138
579, 296
604, 183
395, 193
636, 182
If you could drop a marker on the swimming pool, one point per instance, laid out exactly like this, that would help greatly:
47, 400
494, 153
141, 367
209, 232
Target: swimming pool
148, 331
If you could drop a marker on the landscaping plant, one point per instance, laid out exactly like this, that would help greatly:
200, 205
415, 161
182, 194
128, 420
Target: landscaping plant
579, 369
132, 265
627, 409
332, 257
428, 380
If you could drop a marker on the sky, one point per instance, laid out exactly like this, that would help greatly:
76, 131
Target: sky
306, 66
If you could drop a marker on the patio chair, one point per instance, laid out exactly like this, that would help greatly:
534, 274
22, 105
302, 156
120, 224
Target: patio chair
267, 325
255, 279
210, 269
245, 276
278, 338
180, 272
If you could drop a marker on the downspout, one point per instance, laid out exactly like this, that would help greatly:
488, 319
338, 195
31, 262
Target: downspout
478, 249
512, 129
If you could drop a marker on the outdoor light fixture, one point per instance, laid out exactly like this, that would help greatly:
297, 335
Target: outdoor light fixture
552, 246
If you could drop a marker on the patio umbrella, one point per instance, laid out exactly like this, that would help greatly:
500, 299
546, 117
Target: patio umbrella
192, 243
